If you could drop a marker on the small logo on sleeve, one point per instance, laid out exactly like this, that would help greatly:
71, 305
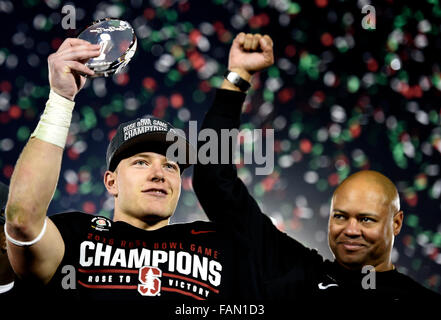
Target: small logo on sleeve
101, 224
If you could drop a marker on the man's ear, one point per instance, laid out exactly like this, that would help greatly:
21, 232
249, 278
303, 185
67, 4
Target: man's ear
110, 182
398, 222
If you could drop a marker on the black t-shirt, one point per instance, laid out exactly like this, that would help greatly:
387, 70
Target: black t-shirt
333, 281
290, 271
114, 261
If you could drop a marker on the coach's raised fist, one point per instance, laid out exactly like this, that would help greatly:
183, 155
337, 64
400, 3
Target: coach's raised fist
250, 53
68, 63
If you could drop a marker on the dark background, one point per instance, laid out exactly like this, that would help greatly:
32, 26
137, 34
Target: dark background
340, 98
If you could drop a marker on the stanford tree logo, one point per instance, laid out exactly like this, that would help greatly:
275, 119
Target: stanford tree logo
150, 278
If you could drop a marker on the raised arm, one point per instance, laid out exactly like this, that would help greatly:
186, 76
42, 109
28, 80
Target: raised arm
35, 246
221, 193
225, 198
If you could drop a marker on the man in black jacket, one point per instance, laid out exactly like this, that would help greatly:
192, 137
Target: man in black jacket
365, 215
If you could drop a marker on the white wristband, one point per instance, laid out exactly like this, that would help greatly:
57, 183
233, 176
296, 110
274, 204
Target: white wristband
26, 243
54, 123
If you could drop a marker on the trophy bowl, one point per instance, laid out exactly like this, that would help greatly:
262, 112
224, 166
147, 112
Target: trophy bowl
118, 45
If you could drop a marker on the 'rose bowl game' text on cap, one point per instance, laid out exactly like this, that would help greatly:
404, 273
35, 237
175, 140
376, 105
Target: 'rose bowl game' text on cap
147, 134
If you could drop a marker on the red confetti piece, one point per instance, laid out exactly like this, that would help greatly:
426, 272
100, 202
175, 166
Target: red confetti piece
333, 179
194, 36
72, 154
112, 120
161, 102
89, 207
71, 188
122, 79
176, 100
56, 43
149, 13
5, 86
372, 65
8, 170
321, 3
4, 117
327, 39
149, 84
111, 134
305, 146
290, 51
355, 130
285, 95
15, 112
411, 199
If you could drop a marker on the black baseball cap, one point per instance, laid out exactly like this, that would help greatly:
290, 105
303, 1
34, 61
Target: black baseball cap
4, 189
147, 134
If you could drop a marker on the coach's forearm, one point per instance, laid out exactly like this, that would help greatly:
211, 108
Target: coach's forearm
32, 187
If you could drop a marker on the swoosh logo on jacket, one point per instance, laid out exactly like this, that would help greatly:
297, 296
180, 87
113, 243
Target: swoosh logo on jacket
324, 287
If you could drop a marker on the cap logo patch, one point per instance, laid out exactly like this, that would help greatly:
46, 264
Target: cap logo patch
142, 126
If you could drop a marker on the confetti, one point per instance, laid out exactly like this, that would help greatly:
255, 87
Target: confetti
340, 98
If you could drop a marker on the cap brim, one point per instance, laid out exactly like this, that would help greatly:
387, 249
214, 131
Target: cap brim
153, 142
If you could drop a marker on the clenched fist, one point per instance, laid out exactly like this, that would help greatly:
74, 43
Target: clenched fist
250, 53
68, 63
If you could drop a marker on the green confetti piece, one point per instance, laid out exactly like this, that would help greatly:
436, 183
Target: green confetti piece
262, 3
314, 164
416, 264
273, 72
117, 104
23, 133
89, 120
412, 220
268, 95
436, 239
174, 75
199, 96
259, 191
216, 81
353, 84
419, 15
434, 117
86, 187
398, 155
420, 184
30, 3
294, 8
322, 185
57, 195
98, 188
39, 92
317, 149
381, 79
95, 162
24, 103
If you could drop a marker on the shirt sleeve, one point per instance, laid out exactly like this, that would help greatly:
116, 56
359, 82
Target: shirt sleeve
71, 226
225, 198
